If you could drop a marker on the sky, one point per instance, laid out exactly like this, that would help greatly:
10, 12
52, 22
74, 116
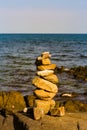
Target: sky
43, 16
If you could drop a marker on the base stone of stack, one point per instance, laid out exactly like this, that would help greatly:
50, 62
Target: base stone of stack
38, 113
44, 105
45, 85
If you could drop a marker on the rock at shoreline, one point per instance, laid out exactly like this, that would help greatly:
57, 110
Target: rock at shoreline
57, 111
75, 106
24, 121
71, 121
80, 72
11, 102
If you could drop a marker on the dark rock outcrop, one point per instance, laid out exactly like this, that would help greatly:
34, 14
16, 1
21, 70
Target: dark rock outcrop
11, 102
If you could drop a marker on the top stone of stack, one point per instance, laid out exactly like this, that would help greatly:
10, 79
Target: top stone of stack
43, 62
45, 55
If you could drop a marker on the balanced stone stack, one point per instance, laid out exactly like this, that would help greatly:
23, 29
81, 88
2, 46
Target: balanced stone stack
45, 83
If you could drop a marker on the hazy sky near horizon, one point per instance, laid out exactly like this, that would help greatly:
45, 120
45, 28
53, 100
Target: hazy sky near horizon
43, 16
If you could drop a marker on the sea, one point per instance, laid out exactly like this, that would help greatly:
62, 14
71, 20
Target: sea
18, 53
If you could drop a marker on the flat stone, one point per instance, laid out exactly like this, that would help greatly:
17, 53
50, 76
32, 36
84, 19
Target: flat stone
52, 78
1, 120
42, 61
46, 61
70, 121
44, 72
45, 85
49, 67
23, 122
44, 95
7, 123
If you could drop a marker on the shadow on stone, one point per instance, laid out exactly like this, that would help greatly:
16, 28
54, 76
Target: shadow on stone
18, 124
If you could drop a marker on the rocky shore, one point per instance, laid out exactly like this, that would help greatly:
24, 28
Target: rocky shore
71, 121
14, 117
42, 110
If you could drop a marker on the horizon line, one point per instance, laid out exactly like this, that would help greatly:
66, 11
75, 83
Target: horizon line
38, 33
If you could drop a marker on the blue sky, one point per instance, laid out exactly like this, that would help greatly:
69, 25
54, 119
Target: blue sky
43, 16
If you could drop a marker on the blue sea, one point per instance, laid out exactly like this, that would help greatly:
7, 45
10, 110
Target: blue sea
18, 53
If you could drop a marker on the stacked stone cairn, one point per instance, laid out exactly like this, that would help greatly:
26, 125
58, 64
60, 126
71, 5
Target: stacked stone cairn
46, 86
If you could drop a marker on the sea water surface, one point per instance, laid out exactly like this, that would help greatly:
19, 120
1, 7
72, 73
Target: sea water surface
18, 53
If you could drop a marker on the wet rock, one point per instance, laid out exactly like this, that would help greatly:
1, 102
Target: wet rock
62, 69
80, 72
